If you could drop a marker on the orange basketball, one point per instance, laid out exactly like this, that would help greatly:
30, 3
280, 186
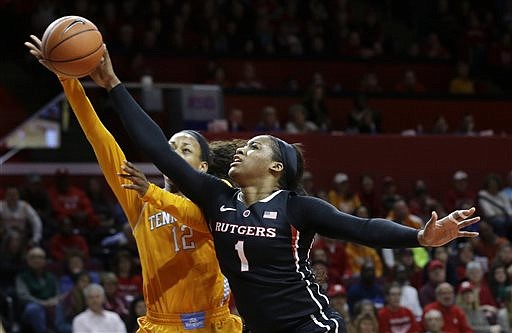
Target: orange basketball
72, 46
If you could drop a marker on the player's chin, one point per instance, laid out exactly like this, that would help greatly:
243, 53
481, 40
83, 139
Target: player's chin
234, 172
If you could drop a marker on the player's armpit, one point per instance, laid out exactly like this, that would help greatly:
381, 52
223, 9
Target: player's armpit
184, 210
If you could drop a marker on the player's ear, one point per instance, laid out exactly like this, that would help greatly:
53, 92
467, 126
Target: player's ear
276, 166
203, 166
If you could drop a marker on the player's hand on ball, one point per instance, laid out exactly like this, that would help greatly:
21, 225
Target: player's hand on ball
104, 75
35, 49
439, 232
139, 182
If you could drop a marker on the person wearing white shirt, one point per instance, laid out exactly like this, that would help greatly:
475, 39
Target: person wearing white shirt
96, 319
409, 296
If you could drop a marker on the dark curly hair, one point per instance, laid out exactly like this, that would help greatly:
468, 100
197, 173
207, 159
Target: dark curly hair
222, 152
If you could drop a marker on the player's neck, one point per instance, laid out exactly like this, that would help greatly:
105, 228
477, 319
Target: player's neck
252, 194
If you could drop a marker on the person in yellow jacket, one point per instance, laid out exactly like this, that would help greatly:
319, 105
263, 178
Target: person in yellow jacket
183, 287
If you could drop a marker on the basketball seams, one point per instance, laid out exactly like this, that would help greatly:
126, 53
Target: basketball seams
74, 74
67, 38
73, 59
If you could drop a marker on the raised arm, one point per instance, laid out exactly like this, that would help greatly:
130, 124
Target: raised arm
151, 140
325, 219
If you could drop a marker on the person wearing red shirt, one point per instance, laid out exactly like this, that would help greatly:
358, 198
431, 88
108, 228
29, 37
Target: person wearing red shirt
461, 195
394, 318
455, 320
65, 242
338, 267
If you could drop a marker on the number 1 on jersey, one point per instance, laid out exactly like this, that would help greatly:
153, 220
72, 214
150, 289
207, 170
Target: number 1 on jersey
239, 247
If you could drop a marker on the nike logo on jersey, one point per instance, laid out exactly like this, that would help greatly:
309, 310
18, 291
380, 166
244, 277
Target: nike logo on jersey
226, 209
270, 215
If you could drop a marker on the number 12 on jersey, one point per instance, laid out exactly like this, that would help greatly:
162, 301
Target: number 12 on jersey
244, 264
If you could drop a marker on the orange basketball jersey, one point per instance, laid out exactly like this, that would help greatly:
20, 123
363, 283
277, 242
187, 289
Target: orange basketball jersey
180, 271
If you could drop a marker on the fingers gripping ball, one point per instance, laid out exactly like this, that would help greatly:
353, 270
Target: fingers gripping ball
72, 46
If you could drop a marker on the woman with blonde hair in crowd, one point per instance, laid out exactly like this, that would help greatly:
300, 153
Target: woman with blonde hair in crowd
467, 300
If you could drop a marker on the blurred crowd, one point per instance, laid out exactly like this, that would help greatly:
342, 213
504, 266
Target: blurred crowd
63, 243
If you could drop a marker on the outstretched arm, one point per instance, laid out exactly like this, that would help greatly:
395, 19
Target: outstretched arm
151, 140
325, 219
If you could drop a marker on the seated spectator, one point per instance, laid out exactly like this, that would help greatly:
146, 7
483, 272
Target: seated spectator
441, 126
442, 253
365, 323
316, 107
120, 240
507, 188
488, 244
467, 125
505, 313
436, 276
389, 194
460, 196
96, 318
18, 215
67, 241
370, 84
249, 80
494, 206
137, 310
236, 121
269, 121
37, 291
341, 196
462, 83
475, 275
114, 299
409, 295
410, 84
297, 122
462, 256
368, 195
72, 304
467, 300
362, 119
400, 214
434, 49
335, 256
338, 299
74, 266
498, 283
413, 265
35, 193
102, 202
366, 287
454, 318
422, 203
71, 203
433, 321
393, 317
219, 78
128, 276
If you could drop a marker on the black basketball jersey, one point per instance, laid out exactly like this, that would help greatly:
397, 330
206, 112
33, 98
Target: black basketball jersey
262, 249
265, 259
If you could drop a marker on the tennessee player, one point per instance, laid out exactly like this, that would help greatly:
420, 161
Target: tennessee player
183, 287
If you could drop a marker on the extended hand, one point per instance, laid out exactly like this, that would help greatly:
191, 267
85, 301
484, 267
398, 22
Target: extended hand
35, 49
104, 75
439, 232
139, 182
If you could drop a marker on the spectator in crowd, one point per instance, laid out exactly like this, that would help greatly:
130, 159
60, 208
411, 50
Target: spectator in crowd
436, 276
341, 195
308, 183
114, 299
269, 121
338, 299
37, 291
507, 189
467, 300
137, 309
498, 283
67, 241
401, 214
422, 203
362, 119
494, 206
434, 49
433, 321
218, 77
236, 121
69, 202
467, 125
13, 247
410, 84
249, 79
102, 202
408, 294
316, 106
475, 275
297, 122
370, 84
17, 214
505, 313
389, 194
504, 255
463, 254
36, 195
96, 318
462, 83
366, 287
120, 240
338, 268
393, 317
441, 126
128, 275
453, 317
72, 304
412, 265
368, 195
442, 253
365, 323
460, 196
487, 244
74, 266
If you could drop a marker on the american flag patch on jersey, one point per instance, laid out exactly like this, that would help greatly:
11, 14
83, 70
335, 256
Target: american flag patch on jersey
270, 215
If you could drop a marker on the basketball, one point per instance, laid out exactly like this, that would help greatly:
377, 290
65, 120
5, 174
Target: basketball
72, 46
